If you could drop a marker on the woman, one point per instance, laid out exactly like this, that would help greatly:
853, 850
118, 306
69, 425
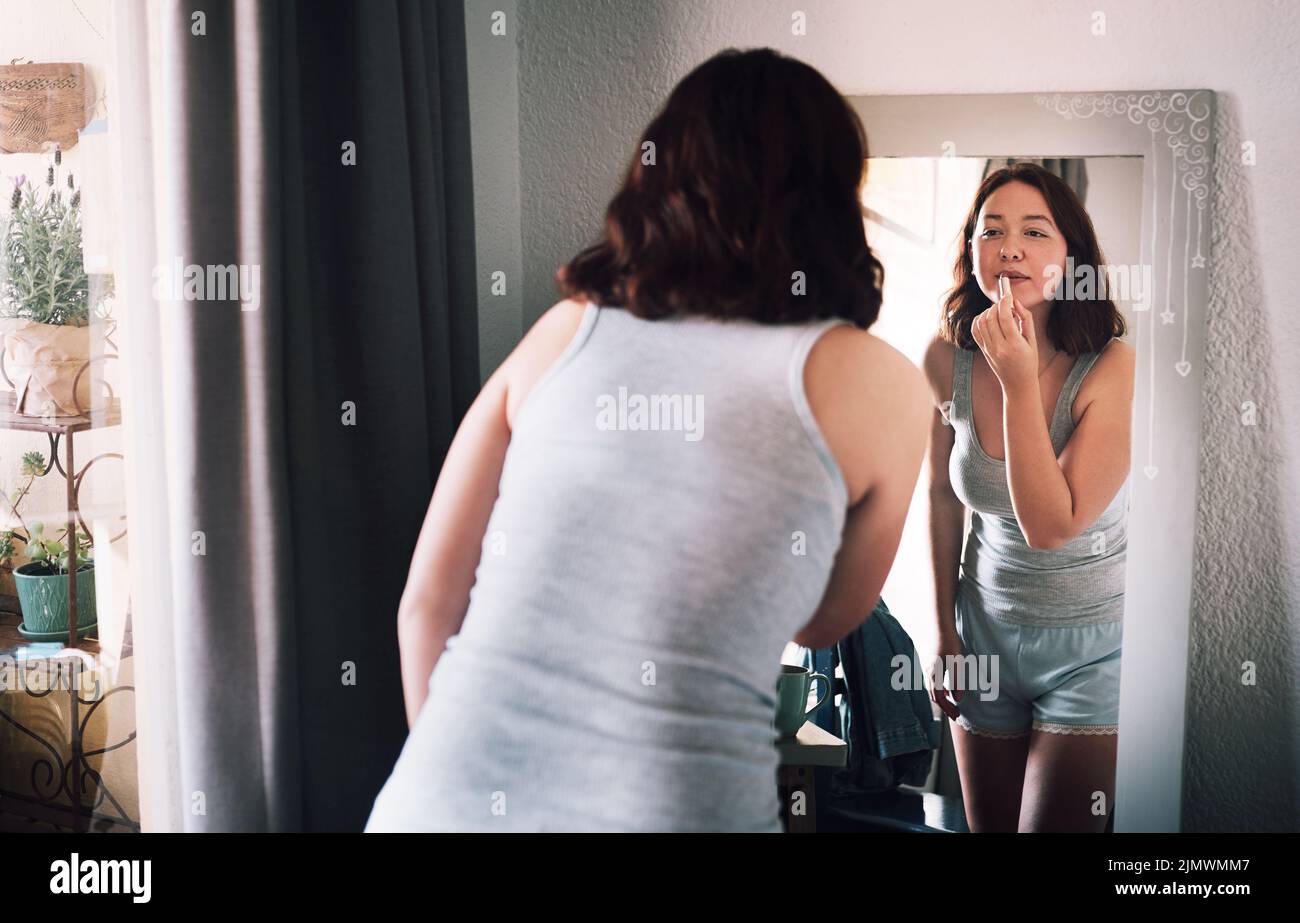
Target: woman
1036, 444
695, 457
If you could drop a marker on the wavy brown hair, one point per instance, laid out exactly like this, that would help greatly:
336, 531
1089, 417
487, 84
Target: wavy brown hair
758, 164
1072, 326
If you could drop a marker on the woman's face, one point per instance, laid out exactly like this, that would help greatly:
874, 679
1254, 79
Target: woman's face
1015, 235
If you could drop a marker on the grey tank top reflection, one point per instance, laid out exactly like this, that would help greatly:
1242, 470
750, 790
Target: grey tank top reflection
667, 519
1082, 582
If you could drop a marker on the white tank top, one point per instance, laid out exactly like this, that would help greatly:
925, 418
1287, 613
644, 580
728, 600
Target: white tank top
667, 520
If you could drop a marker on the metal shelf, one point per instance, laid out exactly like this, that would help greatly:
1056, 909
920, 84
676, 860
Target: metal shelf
64, 428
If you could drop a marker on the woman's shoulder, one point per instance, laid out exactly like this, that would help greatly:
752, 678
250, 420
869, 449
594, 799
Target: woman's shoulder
868, 399
1118, 350
1113, 367
1110, 377
849, 356
544, 343
939, 362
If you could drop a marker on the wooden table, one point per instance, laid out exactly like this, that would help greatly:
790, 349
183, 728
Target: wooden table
799, 756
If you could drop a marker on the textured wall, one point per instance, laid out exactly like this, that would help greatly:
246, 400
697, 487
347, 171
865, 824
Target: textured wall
492, 60
592, 73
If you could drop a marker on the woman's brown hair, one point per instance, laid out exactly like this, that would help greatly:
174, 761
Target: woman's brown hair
1073, 326
755, 179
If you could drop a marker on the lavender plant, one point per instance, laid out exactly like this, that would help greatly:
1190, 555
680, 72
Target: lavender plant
42, 274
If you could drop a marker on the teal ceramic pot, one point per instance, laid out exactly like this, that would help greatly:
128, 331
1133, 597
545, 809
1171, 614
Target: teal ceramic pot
44, 599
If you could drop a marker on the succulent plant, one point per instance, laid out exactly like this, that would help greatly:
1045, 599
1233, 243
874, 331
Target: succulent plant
51, 553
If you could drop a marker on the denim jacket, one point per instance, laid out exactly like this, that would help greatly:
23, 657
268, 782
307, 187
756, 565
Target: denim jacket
890, 732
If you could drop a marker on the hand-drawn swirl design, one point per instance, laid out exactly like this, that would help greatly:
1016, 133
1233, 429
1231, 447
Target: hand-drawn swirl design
1183, 119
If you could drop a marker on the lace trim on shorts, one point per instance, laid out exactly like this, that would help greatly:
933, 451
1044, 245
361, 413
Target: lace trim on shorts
1052, 728
981, 732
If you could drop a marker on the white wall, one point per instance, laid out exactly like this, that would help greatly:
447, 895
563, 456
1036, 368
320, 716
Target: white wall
592, 73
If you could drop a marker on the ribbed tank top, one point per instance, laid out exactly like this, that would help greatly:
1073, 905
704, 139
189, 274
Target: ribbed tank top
1080, 583
617, 666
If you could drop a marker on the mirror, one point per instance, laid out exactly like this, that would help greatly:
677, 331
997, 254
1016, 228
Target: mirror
1138, 164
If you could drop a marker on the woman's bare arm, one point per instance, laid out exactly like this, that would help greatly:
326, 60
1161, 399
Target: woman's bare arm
872, 406
947, 513
446, 557
436, 596
1055, 500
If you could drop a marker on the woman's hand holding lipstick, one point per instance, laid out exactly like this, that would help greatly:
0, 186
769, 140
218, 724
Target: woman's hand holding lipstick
1005, 334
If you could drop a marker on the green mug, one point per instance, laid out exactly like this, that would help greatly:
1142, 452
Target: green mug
792, 698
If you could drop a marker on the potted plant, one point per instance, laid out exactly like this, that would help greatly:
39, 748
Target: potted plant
42, 583
45, 297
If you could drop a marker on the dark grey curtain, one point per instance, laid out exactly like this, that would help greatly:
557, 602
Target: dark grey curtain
1074, 170
367, 301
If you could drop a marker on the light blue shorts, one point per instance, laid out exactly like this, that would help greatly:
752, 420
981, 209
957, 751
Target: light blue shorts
1060, 679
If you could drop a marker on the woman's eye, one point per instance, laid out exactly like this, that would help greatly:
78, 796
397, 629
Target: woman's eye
988, 231
1035, 232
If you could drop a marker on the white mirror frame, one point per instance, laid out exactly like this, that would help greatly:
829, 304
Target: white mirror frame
1172, 130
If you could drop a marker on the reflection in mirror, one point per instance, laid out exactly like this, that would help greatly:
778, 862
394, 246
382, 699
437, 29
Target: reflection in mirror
1012, 570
